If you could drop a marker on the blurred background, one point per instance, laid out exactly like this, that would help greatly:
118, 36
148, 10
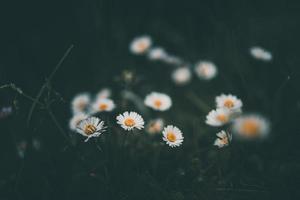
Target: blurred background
34, 36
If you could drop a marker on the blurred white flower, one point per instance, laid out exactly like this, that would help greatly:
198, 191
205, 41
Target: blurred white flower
102, 105
158, 101
173, 60
103, 94
230, 102
223, 139
76, 119
251, 126
260, 54
80, 103
182, 75
140, 45
157, 53
218, 117
130, 120
91, 127
155, 126
172, 136
206, 70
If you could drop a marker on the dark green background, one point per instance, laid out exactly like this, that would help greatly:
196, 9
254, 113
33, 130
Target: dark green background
35, 34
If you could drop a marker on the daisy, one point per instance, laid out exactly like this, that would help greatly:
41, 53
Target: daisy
155, 126
102, 105
140, 44
157, 53
260, 54
130, 120
158, 101
230, 102
103, 94
251, 126
218, 117
76, 119
91, 127
172, 136
182, 75
80, 103
223, 139
206, 70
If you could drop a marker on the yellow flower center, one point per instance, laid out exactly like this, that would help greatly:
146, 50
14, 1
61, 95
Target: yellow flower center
250, 127
171, 137
222, 118
142, 46
228, 103
81, 105
129, 122
157, 103
89, 129
224, 140
103, 106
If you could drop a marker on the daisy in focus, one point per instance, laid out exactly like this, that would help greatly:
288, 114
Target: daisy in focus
172, 136
230, 102
223, 139
206, 70
91, 127
76, 119
155, 126
130, 121
218, 117
140, 45
157, 53
182, 75
80, 103
102, 105
260, 54
158, 101
251, 126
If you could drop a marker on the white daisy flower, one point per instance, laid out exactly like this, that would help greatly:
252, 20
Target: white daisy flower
91, 127
102, 105
158, 101
251, 126
172, 136
230, 102
155, 126
80, 103
182, 75
157, 53
76, 119
105, 93
223, 139
130, 120
260, 54
218, 117
206, 70
140, 44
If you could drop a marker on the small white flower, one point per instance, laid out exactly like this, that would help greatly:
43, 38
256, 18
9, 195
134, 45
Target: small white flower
173, 60
91, 127
251, 126
230, 102
182, 75
102, 105
206, 70
80, 103
155, 126
76, 119
157, 53
218, 117
140, 44
158, 101
105, 93
172, 136
260, 54
223, 139
130, 120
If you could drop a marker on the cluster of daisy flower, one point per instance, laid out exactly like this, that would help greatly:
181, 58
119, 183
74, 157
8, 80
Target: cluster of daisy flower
229, 112
182, 75
85, 123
